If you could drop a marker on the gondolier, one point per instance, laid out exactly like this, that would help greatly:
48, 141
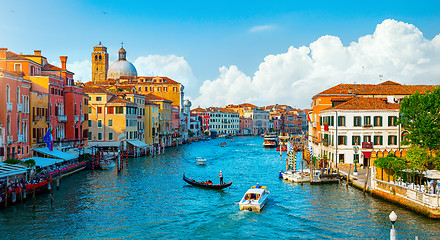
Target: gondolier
221, 177
203, 184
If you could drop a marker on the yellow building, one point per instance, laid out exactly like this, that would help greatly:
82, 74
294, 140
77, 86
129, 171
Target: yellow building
38, 114
99, 63
165, 121
151, 123
110, 118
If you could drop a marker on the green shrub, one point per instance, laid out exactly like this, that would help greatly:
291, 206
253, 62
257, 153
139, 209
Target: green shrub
12, 161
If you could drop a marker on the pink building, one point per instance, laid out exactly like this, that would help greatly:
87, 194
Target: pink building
175, 125
14, 115
246, 126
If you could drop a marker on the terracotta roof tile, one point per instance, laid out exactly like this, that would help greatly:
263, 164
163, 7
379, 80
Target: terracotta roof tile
90, 89
385, 88
50, 67
366, 103
152, 97
116, 99
199, 109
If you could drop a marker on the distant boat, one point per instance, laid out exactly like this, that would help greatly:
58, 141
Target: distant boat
107, 164
223, 144
203, 185
270, 141
201, 160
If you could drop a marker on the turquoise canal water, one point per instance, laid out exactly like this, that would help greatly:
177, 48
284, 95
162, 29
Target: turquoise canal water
149, 199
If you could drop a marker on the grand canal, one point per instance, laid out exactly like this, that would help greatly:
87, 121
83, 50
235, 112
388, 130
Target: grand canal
148, 199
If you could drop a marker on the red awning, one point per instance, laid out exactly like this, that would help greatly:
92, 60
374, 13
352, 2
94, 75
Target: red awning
367, 154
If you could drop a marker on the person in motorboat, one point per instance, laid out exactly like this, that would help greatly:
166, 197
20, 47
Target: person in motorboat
258, 186
280, 174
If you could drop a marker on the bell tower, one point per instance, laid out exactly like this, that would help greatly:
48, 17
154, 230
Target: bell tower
99, 63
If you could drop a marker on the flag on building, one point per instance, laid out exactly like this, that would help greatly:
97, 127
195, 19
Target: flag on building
48, 139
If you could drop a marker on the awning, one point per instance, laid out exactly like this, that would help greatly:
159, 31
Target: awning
137, 143
104, 144
55, 153
7, 170
44, 162
367, 154
432, 174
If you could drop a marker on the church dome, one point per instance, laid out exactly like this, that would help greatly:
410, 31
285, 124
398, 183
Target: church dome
122, 67
187, 103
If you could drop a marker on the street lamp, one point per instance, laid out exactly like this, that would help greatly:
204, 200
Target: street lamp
356, 148
393, 218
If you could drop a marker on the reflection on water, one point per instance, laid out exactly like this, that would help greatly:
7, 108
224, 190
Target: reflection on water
149, 199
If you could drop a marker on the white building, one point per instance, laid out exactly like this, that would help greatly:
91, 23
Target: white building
354, 128
224, 121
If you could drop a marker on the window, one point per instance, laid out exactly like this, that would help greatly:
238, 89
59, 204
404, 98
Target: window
8, 94
146, 89
17, 67
18, 95
378, 121
159, 89
100, 123
119, 110
110, 122
90, 123
90, 135
378, 140
99, 136
98, 99
341, 158
151, 89
165, 89
110, 136
110, 110
392, 121
367, 138
367, 121
357, 121
90, 109
341, 121
342, 140
99, 110
392, 140
356, 140
129, 99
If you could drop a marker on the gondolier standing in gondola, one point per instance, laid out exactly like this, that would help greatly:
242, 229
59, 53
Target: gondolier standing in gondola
221, 177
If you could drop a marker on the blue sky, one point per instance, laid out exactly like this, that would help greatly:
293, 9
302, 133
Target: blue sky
206, 34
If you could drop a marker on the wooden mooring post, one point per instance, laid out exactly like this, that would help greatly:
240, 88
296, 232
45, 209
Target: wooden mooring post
33, 197
348, 176
366, 180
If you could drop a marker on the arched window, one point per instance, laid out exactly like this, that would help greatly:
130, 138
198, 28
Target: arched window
96, 57
100, 58
8, 94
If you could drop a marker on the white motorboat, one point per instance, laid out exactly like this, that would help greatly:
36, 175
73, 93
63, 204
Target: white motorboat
295, 176
254, 199
201, 160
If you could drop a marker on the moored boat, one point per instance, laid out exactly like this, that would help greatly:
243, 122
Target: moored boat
270, 141
254, 199
205, 185
107, 164
295, 176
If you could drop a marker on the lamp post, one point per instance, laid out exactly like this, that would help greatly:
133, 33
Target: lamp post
393, 218
356, 148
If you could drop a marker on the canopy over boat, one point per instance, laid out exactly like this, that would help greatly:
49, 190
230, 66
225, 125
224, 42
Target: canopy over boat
198, 184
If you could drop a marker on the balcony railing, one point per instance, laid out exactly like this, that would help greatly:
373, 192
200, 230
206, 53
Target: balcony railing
62, 118
20, 138
367, 145
20, 107
9, 107
76, 118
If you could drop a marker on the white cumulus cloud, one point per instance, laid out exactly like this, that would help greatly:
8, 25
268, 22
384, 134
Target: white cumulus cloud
396, 50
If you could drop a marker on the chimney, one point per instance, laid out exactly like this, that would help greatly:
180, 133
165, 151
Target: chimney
63, 62
37, 52
3, 53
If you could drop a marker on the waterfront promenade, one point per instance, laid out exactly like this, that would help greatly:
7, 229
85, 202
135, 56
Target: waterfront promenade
148, 199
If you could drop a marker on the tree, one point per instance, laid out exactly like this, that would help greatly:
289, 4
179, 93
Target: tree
419, 115
392, 163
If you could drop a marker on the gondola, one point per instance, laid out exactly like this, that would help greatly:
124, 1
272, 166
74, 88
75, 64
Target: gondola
202, 185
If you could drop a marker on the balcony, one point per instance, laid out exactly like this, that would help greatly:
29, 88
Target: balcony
76, 118
20, 138
62, 118
367, 145
9, 139
9, 107
367, 125
19, 107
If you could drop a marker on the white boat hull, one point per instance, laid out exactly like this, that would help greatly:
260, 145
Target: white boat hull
108, 166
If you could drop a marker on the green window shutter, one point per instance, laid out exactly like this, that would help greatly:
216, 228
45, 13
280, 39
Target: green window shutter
381, 140
389, 120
